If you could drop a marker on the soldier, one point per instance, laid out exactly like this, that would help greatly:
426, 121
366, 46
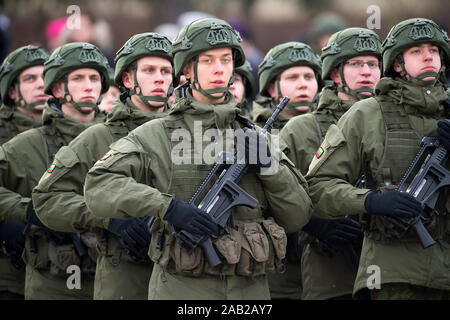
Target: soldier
123, 268
22, 89
141, 175
289, 69
244, 88
379, 137
111, 95
75, 75
352, 57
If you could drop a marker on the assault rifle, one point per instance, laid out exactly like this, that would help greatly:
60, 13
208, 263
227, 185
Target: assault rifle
425, 187
224, 195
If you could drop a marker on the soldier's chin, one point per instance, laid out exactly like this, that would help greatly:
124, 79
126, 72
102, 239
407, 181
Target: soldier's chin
302, 108
39, 107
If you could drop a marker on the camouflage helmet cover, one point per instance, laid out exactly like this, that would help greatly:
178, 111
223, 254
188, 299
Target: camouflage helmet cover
413, 32
202, 35
284, 56
346, 44
72, 56
16, 62
138, 46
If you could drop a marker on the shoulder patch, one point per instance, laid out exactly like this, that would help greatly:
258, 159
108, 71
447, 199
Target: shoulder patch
319, 152
51, 168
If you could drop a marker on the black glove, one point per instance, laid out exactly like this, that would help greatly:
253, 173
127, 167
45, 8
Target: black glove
33, 218
443, 131
134, 236
190, 218
392, 203
256, 148
13, 240
334, 232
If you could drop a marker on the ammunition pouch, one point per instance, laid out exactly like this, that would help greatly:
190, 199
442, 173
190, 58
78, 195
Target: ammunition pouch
248, 249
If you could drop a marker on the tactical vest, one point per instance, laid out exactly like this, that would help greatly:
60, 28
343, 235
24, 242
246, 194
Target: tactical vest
250, 247
402, 142
324, 119
55, 252
108, 243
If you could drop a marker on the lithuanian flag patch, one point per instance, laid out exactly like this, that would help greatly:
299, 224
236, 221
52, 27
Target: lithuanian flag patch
319, 153
52, 167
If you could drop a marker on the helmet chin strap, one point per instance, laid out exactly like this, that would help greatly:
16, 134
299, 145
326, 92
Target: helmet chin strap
209, 92
146, 100
293, 105
357, 93
419, 79
78, 105
30, 106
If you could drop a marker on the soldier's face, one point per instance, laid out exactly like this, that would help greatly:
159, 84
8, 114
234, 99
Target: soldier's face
84, 85
31, 81
214, 70
108, 98
237, 88
298, 83
154, 76
420, 59
359, 72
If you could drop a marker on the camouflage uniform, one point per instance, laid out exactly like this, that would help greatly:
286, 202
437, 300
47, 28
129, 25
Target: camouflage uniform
144, 159
380, 137
59, 195
13, 122
23, 160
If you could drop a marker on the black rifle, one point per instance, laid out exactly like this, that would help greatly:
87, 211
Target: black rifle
425, 187
80, 247
224, 195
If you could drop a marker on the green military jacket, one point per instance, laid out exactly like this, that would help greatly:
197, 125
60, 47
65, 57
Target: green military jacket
356, 146
141, 173
263, 108
58, 198
25, 158
323, 277
302, 135
13, 122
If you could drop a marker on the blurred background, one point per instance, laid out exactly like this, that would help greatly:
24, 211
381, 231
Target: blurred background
261, 23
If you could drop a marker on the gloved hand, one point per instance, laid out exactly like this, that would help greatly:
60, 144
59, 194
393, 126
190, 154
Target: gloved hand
33, 218
134, 236
443, 131
13, 239
334, 232
190, 218
256, 148
392, 203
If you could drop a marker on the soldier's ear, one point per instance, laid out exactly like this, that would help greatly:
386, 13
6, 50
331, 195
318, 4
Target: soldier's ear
396, 66
271, 89
336, 77
12, 92
58, 89
188, 70
127, 80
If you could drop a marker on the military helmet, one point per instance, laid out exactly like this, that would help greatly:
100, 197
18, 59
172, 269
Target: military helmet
202, 35
284, 56
16, 62
326, 23
246, 71
138, 46
413, 32
346, 44
72, 56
